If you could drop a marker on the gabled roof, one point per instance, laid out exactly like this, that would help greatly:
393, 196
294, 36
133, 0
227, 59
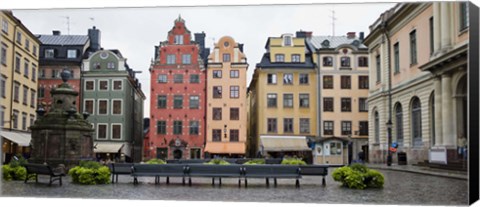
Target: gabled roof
334, 42
63, 39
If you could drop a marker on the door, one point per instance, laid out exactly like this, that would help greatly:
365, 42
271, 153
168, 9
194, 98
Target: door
177, 154
162, 153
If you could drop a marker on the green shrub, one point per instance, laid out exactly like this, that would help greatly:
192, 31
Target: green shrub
293, 161
7, 172
358, 177
20, 161
217, 162
374, 179
341, 173
359, 167
255, 162
14, 173
155, 161
90, 164
90, 176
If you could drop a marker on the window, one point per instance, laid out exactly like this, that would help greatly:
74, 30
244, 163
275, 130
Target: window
464, 15
271, 125
110, 65
399, 123
346, 127
116, 131
363, 128
272, 100
362, 82
161, 101
194, 128
117, 85
16, 92
377, 128
24, 121
102, 107
217, 113
304, 100
3, 89
304, 125
346, 104
327, 61
117, 107
217, 91
287, 40
34, 50
288, 100
3, 54
55, 73
42, 73
303, 78
186, 59
279, 58
161, 127
49, 53
5, 26
194, 78
178, 78
178, 40
296, 58
416, 122
17, 63
103, 85
89, 106
41, 92
396, 58
170, 59
194, 102
328, 128
19, 37
216, 135
102, 131
96, 66
327, 82
177, 127
234, 113
432, 37
27, 44
34, 72
413, 47
15, 119
345, 82
89, 85
32, 120
25, 95
272, 78
26, 70
234, 91
177, 101
362, 105
345, 62
328, 104
234, 74
335, 148
2, 116
33, 97
378, 67
217, 74
363, 61
288, 125
226, 57
71, 53
287, 78
234, 134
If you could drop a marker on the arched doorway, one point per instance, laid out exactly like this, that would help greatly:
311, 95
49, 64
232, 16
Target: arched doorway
461, 107
177, 154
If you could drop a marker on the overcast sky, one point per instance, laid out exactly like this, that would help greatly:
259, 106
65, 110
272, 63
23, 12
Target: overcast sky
135, 31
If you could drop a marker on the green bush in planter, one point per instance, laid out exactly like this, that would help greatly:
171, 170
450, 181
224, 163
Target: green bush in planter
90, 173
293, 161
14, 170
374, 179
155, 161
255, 162
358, 176
217, 162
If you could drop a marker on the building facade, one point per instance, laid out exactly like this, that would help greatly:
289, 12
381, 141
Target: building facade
226, 100
283, 98
177, 100
18, 85
342, 62
418, 72
113, 98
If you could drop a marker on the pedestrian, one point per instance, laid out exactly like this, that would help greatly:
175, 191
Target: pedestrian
461, 146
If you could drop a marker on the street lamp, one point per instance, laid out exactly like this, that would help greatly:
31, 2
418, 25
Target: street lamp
389, 141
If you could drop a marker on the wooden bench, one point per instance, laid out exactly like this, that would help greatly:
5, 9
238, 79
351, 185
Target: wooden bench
315, 170
214, 171
157, 171
120, 169
272, 171
41, 169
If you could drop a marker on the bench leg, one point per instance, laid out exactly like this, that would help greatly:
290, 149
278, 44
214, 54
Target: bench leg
220, 181
168, 180
275, 182
268, 183
213, 181
50, 183
113, 175
183, 180
239, 182
246, 182
189, 181
117, 178
36, 178
297, 183
323, 181
135, 181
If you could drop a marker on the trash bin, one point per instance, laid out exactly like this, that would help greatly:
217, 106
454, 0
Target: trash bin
402, 158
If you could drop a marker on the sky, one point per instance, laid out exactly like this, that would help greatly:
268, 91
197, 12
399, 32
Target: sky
135, 29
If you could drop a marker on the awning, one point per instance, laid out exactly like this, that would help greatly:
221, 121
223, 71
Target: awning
107, 147
284, 143
225, 148
22, 139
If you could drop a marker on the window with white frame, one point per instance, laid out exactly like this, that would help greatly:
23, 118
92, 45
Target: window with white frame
116, 131
102, 107
194, 128
15, 119
288, 78
217, 74
178, 40
49, 53
71, 53
102, 131
162, 78
3, 54
234, 74
24, 121
19, 37
327, 127
287, 40
103, 85
89, 85
288, 100
346, 127
33, 97
304, 100
89, 106
272, 78
178, 78
226, 57
117, 85
335, 148
304, 125
18, 61
5, 26
177, 101
26, 65
117, 106
170, 59
25, 95
3, 85
279, 58
295, 58
34, 72
234, 91
16, 92
303, 78
186, 59
110, 65
194, 102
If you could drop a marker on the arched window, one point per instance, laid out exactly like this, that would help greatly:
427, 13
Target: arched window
377, 128
399, 124
416, 123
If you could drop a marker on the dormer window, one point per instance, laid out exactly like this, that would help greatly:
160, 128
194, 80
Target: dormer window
178, 40
279, 58
49, 53
71, 53
287, 40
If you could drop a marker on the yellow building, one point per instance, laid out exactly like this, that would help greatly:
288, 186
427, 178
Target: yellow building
18, 84
282, 94
343, 92
226, 100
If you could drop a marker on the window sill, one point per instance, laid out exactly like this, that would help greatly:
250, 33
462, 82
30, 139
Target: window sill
345, 68
463, 31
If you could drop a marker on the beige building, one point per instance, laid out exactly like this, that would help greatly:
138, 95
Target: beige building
418, 76
18, 84
226, 99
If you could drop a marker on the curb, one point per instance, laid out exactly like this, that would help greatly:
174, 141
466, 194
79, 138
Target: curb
455, 176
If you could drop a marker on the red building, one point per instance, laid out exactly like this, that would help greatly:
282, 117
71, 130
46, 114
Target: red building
177, 97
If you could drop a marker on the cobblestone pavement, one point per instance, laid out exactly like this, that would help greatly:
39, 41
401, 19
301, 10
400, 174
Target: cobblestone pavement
400, 188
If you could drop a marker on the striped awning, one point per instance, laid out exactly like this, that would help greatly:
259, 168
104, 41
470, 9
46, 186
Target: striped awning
22, 139
284, 143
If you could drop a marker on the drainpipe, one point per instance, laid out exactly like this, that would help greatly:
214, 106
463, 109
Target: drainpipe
389, 122
13, 76
319, 104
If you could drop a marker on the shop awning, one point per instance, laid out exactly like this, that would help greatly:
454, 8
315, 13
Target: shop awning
225, 148
284, 143
107, 147
22, 139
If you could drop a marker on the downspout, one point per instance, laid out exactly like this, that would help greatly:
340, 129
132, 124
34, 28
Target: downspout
319, 104
13, 76
389, 132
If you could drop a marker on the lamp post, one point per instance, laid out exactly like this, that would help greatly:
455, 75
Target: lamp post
389, 142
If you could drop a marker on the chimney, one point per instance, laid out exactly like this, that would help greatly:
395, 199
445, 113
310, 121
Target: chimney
350, 35
200, 39
301, 34
94, 36
308, 34
361, 36
240, 47
156, 52
56, 32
